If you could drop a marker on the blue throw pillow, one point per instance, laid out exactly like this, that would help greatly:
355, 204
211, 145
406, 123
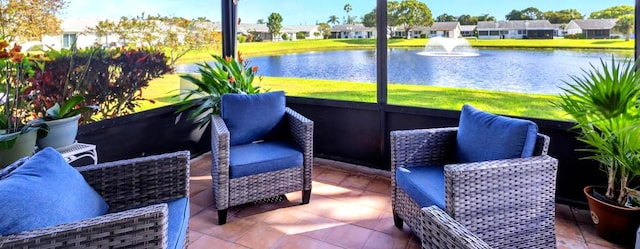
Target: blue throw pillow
484, 136
45, 191
251, 117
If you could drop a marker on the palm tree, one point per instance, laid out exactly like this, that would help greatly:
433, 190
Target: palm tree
348, 8
334, 19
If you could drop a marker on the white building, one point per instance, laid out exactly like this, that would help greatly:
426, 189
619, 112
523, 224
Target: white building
74, 29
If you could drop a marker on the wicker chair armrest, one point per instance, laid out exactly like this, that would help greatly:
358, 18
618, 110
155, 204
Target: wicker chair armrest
139, 182
442, 231
220, 161
480, 191
144, 227
422, 147
301, 130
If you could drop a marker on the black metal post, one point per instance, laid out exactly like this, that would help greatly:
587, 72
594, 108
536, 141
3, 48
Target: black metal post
381, 71
229, 34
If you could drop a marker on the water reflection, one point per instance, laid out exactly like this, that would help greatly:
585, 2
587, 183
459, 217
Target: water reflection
527, 71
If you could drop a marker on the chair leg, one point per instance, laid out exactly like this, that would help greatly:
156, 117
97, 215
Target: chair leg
397, 221
306, 196
222, 216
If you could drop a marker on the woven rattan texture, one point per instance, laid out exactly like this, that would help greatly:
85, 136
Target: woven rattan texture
231, 192
507, 203
143, 224
443, 232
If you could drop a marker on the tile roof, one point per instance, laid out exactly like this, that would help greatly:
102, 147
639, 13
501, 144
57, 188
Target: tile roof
595, 23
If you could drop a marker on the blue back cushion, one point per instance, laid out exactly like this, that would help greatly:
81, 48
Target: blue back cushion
45, 191
484, 136
251, 117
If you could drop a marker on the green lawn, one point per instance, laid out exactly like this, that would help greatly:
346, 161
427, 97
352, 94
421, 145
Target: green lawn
163, 90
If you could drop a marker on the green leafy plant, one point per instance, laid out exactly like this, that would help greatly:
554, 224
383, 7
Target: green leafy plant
16, 95
69, 108
227, 75
604, 103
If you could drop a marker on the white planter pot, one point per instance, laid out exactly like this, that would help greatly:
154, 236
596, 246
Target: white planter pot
24, 146
62, 132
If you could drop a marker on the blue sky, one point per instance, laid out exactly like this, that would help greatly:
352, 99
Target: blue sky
309, 11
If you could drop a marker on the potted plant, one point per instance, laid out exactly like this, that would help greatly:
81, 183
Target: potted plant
65, 109
63, 122
604, 104
18, 127
228, 75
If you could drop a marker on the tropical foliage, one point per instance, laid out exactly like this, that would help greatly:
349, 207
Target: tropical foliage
29, 19
604, 103
177, 36
16, 95
112, 79
227, 75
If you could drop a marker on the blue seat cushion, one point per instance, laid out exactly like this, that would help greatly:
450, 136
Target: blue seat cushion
484, 136
46, 191
251, 117
257, 158
424, 184
178, 222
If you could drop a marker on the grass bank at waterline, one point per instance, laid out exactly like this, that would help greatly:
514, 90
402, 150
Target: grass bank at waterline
163, 92
517, 104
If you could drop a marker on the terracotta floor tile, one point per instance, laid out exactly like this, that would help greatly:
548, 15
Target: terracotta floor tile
297, 241
356, 181
564, 211
208, 242
591, 236
582, 215
569, 229
374, 200
344, 212
203, 198
325, 245
567, 243
378, 240
330, 176
349, 236
207, 222
193, 236
380, 186
316, 226
260, 236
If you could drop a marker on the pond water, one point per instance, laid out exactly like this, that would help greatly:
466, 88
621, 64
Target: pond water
526, 71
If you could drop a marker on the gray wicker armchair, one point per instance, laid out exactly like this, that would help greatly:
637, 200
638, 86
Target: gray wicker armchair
230, 191
507, 203
136, 191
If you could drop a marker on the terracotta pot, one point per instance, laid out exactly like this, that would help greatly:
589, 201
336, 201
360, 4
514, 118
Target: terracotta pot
614, 223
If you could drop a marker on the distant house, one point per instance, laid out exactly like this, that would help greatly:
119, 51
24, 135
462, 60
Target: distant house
591, 28
75, 29
445, 29
259, 31
309, 31
352, 31
515, 29
467, 30
558, 30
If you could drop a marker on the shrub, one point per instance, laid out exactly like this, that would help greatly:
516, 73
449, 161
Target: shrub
112, 79
301, 36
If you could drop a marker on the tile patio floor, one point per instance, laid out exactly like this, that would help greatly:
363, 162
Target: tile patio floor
350, 207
